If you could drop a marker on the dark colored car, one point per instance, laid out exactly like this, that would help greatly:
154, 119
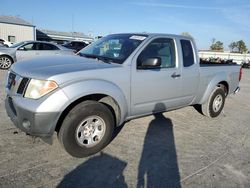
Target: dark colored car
75, 45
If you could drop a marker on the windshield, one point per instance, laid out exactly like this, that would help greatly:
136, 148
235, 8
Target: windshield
17, 45
113, 48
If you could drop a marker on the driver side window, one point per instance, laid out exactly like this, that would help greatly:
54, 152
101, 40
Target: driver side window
27, 47
162, 48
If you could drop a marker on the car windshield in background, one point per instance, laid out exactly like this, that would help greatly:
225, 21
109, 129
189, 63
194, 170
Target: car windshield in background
17, 45
113, 48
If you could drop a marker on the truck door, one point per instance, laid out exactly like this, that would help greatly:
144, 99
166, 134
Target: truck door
190, 72
150, 86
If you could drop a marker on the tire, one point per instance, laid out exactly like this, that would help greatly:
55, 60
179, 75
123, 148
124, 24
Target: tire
215, 103
5, 62
87, 129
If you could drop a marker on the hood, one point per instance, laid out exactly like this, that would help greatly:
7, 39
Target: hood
45, 67
2, 47
6, 49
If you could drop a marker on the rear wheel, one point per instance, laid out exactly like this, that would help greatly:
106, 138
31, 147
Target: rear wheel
5, 62
215, 103
87, 129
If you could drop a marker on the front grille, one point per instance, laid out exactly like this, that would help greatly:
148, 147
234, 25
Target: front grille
11, 80
22, 86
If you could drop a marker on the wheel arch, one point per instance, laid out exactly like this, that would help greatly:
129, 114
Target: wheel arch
216, 82
7, 55
107, 100
225, 86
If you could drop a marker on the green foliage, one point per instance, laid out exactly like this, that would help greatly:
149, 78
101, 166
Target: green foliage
239, 47
186, 34
233, 46
218, 45
242, 46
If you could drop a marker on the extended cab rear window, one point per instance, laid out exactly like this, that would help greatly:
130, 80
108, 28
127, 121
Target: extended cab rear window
187, 53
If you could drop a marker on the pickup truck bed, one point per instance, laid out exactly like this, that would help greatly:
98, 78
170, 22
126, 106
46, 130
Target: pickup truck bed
217, 64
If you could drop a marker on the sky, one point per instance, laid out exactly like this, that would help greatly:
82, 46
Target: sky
224, 20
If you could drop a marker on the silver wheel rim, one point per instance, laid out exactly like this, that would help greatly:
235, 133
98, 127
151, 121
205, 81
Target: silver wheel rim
5, 62
218, 101
90, 131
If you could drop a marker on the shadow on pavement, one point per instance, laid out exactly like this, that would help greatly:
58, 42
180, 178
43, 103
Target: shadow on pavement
99, 171
158, 164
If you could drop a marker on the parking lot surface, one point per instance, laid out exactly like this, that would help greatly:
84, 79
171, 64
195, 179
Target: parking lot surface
180, 148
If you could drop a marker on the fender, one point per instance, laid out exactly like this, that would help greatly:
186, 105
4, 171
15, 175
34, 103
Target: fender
87, 87
211, 86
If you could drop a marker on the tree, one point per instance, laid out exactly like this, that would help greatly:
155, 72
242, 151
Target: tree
218, 45
186, 34
239, 47
242, 46
233, 46
213, 40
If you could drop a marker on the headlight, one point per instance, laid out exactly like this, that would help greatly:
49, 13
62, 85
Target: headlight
39, 88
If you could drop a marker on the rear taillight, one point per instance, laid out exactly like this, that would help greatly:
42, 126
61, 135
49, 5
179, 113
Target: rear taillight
240, 75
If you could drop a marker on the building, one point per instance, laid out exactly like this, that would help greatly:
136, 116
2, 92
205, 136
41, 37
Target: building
15, 29
61, 37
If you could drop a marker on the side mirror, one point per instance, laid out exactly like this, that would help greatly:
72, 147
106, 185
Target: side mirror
151, 63
22, 49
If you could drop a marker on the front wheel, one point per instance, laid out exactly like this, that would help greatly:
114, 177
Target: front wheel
5, 62
87, 129
215, 103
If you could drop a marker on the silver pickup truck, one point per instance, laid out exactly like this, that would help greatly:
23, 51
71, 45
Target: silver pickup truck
119, 77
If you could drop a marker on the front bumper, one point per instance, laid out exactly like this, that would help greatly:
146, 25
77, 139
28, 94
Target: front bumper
37, 117
237, 90
40, 124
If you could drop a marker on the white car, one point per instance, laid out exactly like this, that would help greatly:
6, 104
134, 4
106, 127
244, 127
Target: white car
6, 43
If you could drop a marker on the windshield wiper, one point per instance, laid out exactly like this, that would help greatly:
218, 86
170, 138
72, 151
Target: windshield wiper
100, 58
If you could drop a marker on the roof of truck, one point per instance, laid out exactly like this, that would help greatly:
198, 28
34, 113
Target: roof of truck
157, 34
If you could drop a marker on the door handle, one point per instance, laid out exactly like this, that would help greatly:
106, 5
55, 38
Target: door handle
175, 75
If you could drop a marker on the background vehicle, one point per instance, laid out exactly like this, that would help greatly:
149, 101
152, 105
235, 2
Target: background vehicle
75, 45
216, 61
29, 49
2, 45
6, 43
118, 78
246, 64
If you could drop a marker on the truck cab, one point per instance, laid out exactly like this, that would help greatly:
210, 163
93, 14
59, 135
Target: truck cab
169, 82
